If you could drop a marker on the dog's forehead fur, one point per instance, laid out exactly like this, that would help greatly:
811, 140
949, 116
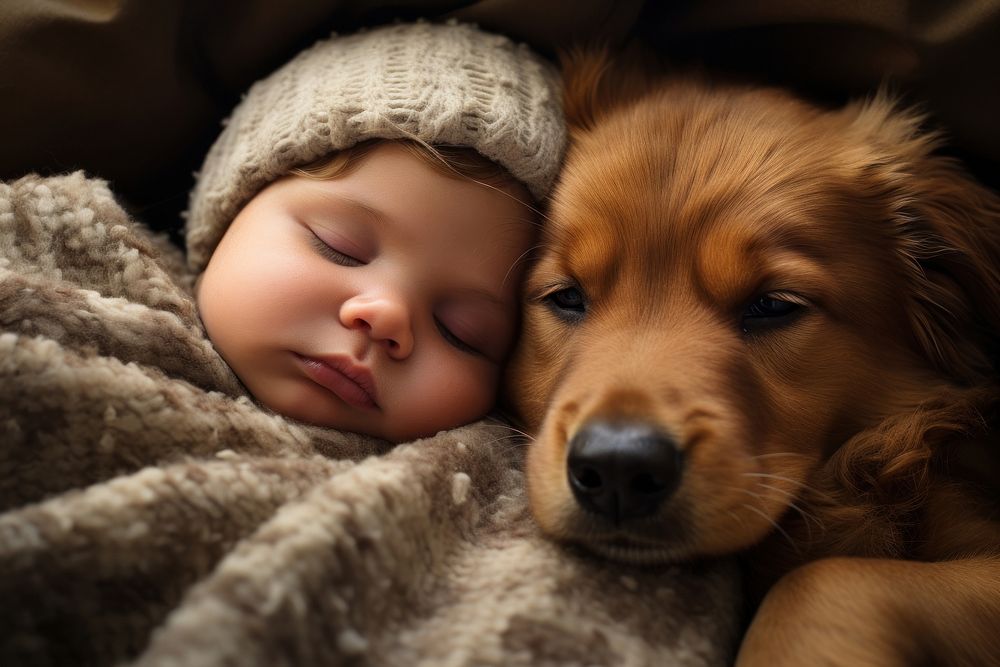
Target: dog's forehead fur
714, 171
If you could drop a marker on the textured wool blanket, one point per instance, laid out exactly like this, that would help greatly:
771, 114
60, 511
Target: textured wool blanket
153, 514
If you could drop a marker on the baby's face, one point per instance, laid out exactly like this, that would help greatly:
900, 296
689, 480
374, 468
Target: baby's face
382, 302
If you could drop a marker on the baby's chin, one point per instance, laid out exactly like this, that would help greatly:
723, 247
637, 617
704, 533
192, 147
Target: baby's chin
298, 401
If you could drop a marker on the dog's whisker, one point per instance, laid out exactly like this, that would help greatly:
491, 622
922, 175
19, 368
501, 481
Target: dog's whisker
768, 475
512, 439
799, 484
510, 436
773, 454
515, 437
499, 420
774, 523
509, 447
805, 515
778, 489
513, 429
508, 444
817, 493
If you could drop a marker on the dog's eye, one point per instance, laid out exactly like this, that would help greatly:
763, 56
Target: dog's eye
568, 303
768, 311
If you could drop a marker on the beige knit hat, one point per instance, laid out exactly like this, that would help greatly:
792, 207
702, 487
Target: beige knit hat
442, 84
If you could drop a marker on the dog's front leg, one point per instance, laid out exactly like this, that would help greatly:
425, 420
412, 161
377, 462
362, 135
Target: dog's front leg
858, 611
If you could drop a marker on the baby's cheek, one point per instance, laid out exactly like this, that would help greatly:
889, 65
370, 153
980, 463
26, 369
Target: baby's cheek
451, 395
213, 306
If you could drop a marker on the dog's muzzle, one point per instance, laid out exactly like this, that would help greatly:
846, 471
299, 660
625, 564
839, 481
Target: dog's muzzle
622, 470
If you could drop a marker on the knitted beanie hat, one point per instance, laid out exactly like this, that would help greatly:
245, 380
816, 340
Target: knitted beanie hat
441, 84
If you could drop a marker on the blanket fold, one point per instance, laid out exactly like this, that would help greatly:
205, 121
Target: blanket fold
154, 514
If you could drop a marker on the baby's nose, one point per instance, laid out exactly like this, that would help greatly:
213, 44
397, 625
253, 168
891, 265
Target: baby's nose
385, 320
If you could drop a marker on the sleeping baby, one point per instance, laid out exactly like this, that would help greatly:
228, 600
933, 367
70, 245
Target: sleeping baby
362, 224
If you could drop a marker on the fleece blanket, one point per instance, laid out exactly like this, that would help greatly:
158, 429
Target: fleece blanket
152, 514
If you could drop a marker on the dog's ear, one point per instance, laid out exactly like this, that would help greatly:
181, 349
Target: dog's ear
947, 228
595, 81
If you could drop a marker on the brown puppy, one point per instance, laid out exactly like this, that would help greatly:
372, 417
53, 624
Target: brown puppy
759, 326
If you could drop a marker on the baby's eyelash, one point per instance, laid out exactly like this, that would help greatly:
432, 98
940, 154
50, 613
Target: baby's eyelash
332, 254
454, 340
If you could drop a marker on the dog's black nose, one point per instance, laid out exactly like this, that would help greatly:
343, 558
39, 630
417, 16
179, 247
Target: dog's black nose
622, 470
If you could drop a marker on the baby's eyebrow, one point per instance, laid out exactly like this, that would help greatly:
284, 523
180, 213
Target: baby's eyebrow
357, 205
360, 207
482, 294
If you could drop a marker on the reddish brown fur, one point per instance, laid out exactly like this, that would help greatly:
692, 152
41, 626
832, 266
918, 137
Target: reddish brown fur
864, 428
